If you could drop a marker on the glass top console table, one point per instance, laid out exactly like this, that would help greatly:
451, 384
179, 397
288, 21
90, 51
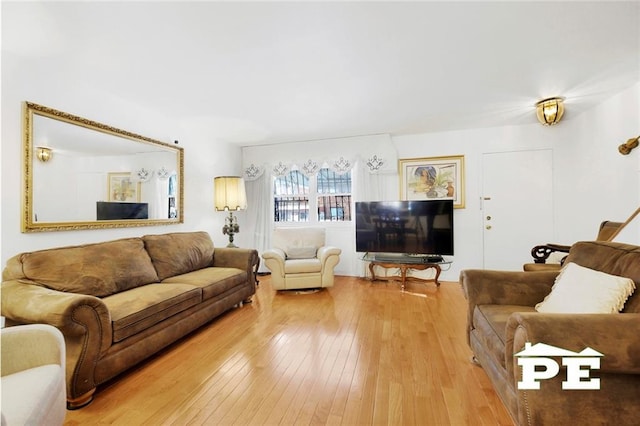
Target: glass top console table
405, 263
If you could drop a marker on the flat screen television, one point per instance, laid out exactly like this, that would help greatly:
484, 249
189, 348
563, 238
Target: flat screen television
423, 227
117, 211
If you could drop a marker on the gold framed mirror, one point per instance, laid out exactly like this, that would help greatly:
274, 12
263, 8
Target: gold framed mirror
81, 174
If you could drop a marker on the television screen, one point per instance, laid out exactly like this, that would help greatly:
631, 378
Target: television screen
423, 227
117, 211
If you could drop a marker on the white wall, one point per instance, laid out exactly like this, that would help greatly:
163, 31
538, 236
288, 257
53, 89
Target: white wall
55, 86
592, 181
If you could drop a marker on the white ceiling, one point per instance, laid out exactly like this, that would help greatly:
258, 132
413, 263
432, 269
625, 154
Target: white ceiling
266, 72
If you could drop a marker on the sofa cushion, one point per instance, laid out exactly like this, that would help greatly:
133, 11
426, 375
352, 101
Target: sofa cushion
140, 308
580, 290
98, 269
212, 281
180, 252
490, 321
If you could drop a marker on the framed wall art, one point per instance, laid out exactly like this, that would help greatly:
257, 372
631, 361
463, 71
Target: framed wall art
121, 187
433, 177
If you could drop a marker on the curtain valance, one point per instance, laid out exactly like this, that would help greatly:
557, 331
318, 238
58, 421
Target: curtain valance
311, 166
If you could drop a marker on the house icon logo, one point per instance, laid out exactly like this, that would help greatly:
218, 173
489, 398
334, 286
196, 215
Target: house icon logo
537, 364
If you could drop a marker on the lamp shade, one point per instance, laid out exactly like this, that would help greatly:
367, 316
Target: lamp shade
550, 111
229, 193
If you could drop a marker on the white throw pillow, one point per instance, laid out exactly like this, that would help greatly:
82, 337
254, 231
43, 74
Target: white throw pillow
580, 290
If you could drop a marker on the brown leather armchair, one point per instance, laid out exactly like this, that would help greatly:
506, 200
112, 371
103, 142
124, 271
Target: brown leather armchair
541, 253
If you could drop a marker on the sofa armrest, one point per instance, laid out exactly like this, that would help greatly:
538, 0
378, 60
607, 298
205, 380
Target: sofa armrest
486, 287
29, 346
618, 387
230, 257
84, 321
24, 302
617, 336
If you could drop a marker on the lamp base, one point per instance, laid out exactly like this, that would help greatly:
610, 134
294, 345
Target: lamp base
231, 228
231, 234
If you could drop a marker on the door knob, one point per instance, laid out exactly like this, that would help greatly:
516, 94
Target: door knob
488, 226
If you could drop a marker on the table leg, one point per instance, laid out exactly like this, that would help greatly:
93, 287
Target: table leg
438, 270
403, 274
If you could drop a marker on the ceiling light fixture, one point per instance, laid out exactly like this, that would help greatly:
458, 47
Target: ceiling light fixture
44, 154
550, 111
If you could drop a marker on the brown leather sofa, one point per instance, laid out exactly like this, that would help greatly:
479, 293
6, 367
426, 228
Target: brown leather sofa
121, 301
502, 318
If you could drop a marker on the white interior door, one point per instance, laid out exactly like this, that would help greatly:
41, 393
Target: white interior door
517, 206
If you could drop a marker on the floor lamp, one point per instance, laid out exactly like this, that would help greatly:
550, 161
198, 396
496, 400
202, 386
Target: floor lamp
229, 194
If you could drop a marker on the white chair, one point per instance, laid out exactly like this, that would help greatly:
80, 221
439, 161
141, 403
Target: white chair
33, 382
299, 259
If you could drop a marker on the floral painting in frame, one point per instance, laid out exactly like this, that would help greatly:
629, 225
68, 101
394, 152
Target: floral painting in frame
123, 188
433, 178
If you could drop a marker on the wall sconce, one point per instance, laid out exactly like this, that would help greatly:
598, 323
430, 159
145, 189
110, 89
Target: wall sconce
550, 111
44, 154
230, 194
628, 146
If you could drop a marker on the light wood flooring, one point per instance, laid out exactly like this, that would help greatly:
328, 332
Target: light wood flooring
359, 353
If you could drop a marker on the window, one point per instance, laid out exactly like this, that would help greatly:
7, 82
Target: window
291, 198
334, 196
294, 200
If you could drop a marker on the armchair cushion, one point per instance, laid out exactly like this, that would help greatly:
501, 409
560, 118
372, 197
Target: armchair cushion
301, 252
301, 266
580, 290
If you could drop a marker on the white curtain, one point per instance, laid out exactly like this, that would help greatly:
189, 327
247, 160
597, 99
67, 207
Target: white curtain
367, 183
258, 185
367, 186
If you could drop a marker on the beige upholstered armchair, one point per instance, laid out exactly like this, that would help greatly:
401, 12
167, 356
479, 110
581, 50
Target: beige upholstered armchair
299, 259
33, 375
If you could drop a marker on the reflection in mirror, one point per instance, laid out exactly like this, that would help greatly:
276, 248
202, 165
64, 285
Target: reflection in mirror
81, 174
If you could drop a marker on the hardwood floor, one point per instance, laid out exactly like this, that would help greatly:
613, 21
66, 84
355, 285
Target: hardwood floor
360, 352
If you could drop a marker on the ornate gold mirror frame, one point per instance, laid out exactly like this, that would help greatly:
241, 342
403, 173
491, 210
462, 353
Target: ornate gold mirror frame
81, 174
